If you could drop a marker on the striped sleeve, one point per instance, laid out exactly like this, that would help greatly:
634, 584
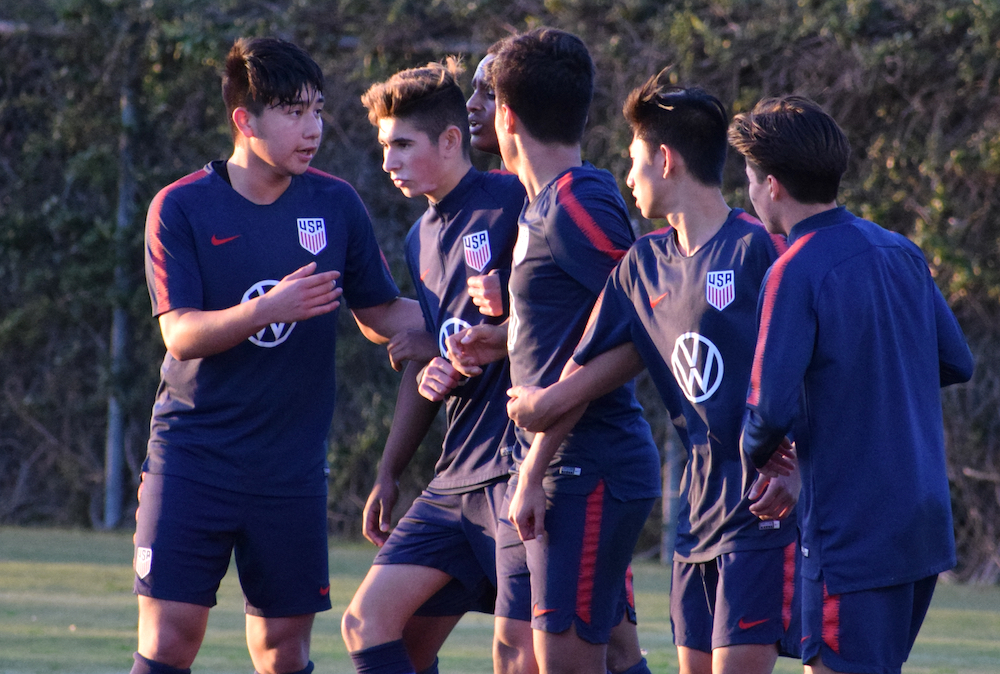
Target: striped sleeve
785, 339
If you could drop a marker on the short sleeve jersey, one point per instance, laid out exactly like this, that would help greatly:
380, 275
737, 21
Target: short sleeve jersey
254, 418
570, 238
854, 342
693, 321
468, 233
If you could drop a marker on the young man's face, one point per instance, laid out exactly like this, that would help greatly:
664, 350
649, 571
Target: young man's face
286, 137
412, 160
482, 109
646, 178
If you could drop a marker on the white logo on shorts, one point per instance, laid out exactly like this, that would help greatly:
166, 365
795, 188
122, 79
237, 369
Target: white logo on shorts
143, 561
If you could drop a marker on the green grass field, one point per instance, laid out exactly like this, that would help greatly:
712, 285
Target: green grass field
66, 606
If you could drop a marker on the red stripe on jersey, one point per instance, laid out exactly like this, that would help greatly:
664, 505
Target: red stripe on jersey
831, 620
156, 251
767, 309
629, 588
579, 215
788, 585
588, 551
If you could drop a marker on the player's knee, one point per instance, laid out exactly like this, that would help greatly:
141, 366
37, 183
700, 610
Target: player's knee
351, 629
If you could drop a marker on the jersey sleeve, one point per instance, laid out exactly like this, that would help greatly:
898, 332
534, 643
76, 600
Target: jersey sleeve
367, 281
611, 320
172, 274
953, 352
787, 325
590, 234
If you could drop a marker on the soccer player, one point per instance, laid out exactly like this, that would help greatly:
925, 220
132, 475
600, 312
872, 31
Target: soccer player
440, 560
246, 261
682, 303
572, 232
855, 341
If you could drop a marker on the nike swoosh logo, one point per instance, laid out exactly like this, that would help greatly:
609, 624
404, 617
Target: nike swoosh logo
324, 591
426, 272
744, 625
653, 303
216, 241
538, 612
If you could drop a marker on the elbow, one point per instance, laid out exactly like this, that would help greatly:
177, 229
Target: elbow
959, 371
178, 352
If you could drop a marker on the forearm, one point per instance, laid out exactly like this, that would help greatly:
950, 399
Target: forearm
380, 323
410, 422
546, 444
600, 376
759, 440
193, 333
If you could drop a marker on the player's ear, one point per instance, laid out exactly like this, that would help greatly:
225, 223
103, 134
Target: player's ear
775, 189
666, 155
507, 118
243, 121
450, 139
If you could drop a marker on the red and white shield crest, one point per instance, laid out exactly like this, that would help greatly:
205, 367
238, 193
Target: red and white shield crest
312, 234
477, 250
143, 561
720, 289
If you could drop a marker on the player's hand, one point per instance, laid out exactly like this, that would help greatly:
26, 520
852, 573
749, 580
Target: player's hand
775, 497
486, 293
527, 408
438, 379
782, 461
527, 510
470, 349
378, 510
301, 295
416, 345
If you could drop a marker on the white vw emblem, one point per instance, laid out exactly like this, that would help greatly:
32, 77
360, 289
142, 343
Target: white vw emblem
697, 365
450, 327
275, 333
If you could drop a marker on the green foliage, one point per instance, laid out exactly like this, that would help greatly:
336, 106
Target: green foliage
914, 84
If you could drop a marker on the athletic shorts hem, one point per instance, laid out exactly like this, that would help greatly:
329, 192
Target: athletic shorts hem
839, 664
208, 601
288, 612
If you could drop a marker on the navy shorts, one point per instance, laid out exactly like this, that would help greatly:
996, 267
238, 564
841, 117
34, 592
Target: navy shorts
186, 533
454, 533
745, 597
869, 631
579, 568
513, 578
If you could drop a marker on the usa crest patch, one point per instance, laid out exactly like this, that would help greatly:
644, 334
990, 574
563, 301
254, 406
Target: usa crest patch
720, 289
312, 234
477, 250
143, 561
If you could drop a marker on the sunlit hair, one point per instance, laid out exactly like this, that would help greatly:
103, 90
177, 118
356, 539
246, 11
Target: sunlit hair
796, 141
429, 97
267, 72
687, 120
546, 76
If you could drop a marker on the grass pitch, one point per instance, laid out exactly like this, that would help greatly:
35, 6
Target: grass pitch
66, 605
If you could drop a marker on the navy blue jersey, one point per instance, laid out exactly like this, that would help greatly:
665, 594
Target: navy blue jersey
854, 341
254, 418
468, 233
570, 237
693, 321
